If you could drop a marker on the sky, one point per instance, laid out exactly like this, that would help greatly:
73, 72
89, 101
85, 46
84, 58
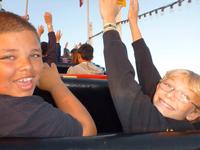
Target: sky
173, 36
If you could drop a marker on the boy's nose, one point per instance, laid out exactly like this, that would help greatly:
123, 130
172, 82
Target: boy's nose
25, 64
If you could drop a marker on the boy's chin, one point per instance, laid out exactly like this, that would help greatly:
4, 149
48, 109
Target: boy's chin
22, 94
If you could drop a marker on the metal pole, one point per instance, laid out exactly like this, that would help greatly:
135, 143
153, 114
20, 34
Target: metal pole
26, 10
88, 21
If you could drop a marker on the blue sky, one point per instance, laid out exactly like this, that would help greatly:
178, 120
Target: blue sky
172, 36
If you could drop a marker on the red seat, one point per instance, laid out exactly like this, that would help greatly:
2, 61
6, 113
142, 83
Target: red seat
87, 76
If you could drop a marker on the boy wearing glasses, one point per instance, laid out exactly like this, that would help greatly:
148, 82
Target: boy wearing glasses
176, 97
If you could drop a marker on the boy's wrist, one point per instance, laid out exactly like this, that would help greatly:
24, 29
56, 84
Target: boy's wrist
109, 26
109, 20
50, 26
56, 87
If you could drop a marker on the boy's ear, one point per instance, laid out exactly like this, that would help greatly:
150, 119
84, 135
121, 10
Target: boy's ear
79, 56
193, 116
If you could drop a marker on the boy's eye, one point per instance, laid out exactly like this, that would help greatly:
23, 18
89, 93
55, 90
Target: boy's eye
167, 85
8, 57
36, 55
182, 97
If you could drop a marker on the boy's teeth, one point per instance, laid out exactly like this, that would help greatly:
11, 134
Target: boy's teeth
25, 79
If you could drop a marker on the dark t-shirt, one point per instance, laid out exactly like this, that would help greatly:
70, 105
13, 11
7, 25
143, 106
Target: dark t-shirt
31, 116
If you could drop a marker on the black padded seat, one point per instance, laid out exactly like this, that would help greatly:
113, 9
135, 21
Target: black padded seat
63, 67
95, 96
145, 141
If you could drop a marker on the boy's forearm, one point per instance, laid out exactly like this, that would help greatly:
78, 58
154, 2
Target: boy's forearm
135, 31
68, 103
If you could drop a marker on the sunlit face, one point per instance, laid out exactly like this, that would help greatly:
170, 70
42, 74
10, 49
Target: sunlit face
20, 63
176, 103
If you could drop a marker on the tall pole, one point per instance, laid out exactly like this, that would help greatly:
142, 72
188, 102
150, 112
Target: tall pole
88, 21
26, 10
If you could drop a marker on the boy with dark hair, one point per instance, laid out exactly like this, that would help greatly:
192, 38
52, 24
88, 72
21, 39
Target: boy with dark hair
86, 52
84, 58
23, 114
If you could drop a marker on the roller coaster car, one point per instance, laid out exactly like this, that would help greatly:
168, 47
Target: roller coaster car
95, 96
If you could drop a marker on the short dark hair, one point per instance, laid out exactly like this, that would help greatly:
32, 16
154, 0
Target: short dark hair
10, 22
74, 56
74, 50
86, 52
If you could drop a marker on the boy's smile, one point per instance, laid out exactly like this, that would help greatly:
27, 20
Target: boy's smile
20, 63
165, 105
25, 83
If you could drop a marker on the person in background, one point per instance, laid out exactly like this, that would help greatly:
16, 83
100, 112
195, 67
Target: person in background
74, 56
66, 57
22, 113
84, 59
171, 103
49, 51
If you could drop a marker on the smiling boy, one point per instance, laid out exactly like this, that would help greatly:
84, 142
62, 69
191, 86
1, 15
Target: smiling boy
21, 69
167, 104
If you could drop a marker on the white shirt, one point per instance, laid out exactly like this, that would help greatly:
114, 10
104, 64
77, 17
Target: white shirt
85, 68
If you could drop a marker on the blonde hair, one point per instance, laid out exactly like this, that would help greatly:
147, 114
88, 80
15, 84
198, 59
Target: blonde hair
191, 78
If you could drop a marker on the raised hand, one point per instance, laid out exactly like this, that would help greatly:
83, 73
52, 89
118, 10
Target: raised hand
48, 18
40, 30
58, 36
133, 19
109, 10
133, 11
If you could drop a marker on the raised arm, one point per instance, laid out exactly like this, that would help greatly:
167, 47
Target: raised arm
133, 20
126, 93
51, 52
40, 30
58, 47
50, 80
147, 73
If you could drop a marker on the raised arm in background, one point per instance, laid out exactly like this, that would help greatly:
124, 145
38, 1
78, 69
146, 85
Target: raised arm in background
40, 30
58, 46
51, 54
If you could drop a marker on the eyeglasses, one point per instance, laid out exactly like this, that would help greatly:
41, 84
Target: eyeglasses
179, 95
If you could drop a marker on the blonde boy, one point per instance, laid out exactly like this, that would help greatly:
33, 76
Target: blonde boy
168, 104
